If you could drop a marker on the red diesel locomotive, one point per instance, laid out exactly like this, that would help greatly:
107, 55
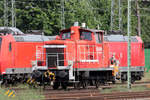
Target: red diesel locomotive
81, 56
78, 56
118, 45
17, 51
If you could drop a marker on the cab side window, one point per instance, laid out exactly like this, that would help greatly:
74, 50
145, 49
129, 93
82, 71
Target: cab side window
85, 35
98, 38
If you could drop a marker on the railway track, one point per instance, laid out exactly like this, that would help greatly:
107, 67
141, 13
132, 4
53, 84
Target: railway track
95, 95
88, 94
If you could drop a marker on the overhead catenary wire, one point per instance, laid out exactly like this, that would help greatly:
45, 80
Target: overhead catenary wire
5, 13
62, 14
13, 13
120, 15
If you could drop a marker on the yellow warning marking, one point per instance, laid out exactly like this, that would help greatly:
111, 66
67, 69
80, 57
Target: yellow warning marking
13, 95
10, 94
28, 80
7, 92
32, 81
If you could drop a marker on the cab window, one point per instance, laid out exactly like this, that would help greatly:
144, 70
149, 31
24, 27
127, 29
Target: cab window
98, 38
85, 35
66, 35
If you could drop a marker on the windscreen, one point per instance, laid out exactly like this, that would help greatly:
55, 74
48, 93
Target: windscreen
66, 35
85, 35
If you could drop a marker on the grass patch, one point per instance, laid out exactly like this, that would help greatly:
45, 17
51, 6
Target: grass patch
146, 76
26, 94
123, 88
30, 94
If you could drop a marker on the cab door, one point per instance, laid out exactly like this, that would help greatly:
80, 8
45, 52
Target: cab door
102, 50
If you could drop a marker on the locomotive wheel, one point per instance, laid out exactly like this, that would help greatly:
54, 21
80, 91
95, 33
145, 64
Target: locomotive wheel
97, 83
113, 81
56, 85
85, 84
123, 81
77, 85
132, 80
64, 85
1, 82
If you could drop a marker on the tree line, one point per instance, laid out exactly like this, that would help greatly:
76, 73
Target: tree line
47, 15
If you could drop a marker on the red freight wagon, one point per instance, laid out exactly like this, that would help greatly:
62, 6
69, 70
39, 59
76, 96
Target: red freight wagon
17, 51
118, 46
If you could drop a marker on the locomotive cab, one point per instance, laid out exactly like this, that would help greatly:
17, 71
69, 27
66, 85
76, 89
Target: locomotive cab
74, 44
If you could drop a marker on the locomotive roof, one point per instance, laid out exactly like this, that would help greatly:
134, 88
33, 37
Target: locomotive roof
10, 30
119, 38
93, 30
33, 38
